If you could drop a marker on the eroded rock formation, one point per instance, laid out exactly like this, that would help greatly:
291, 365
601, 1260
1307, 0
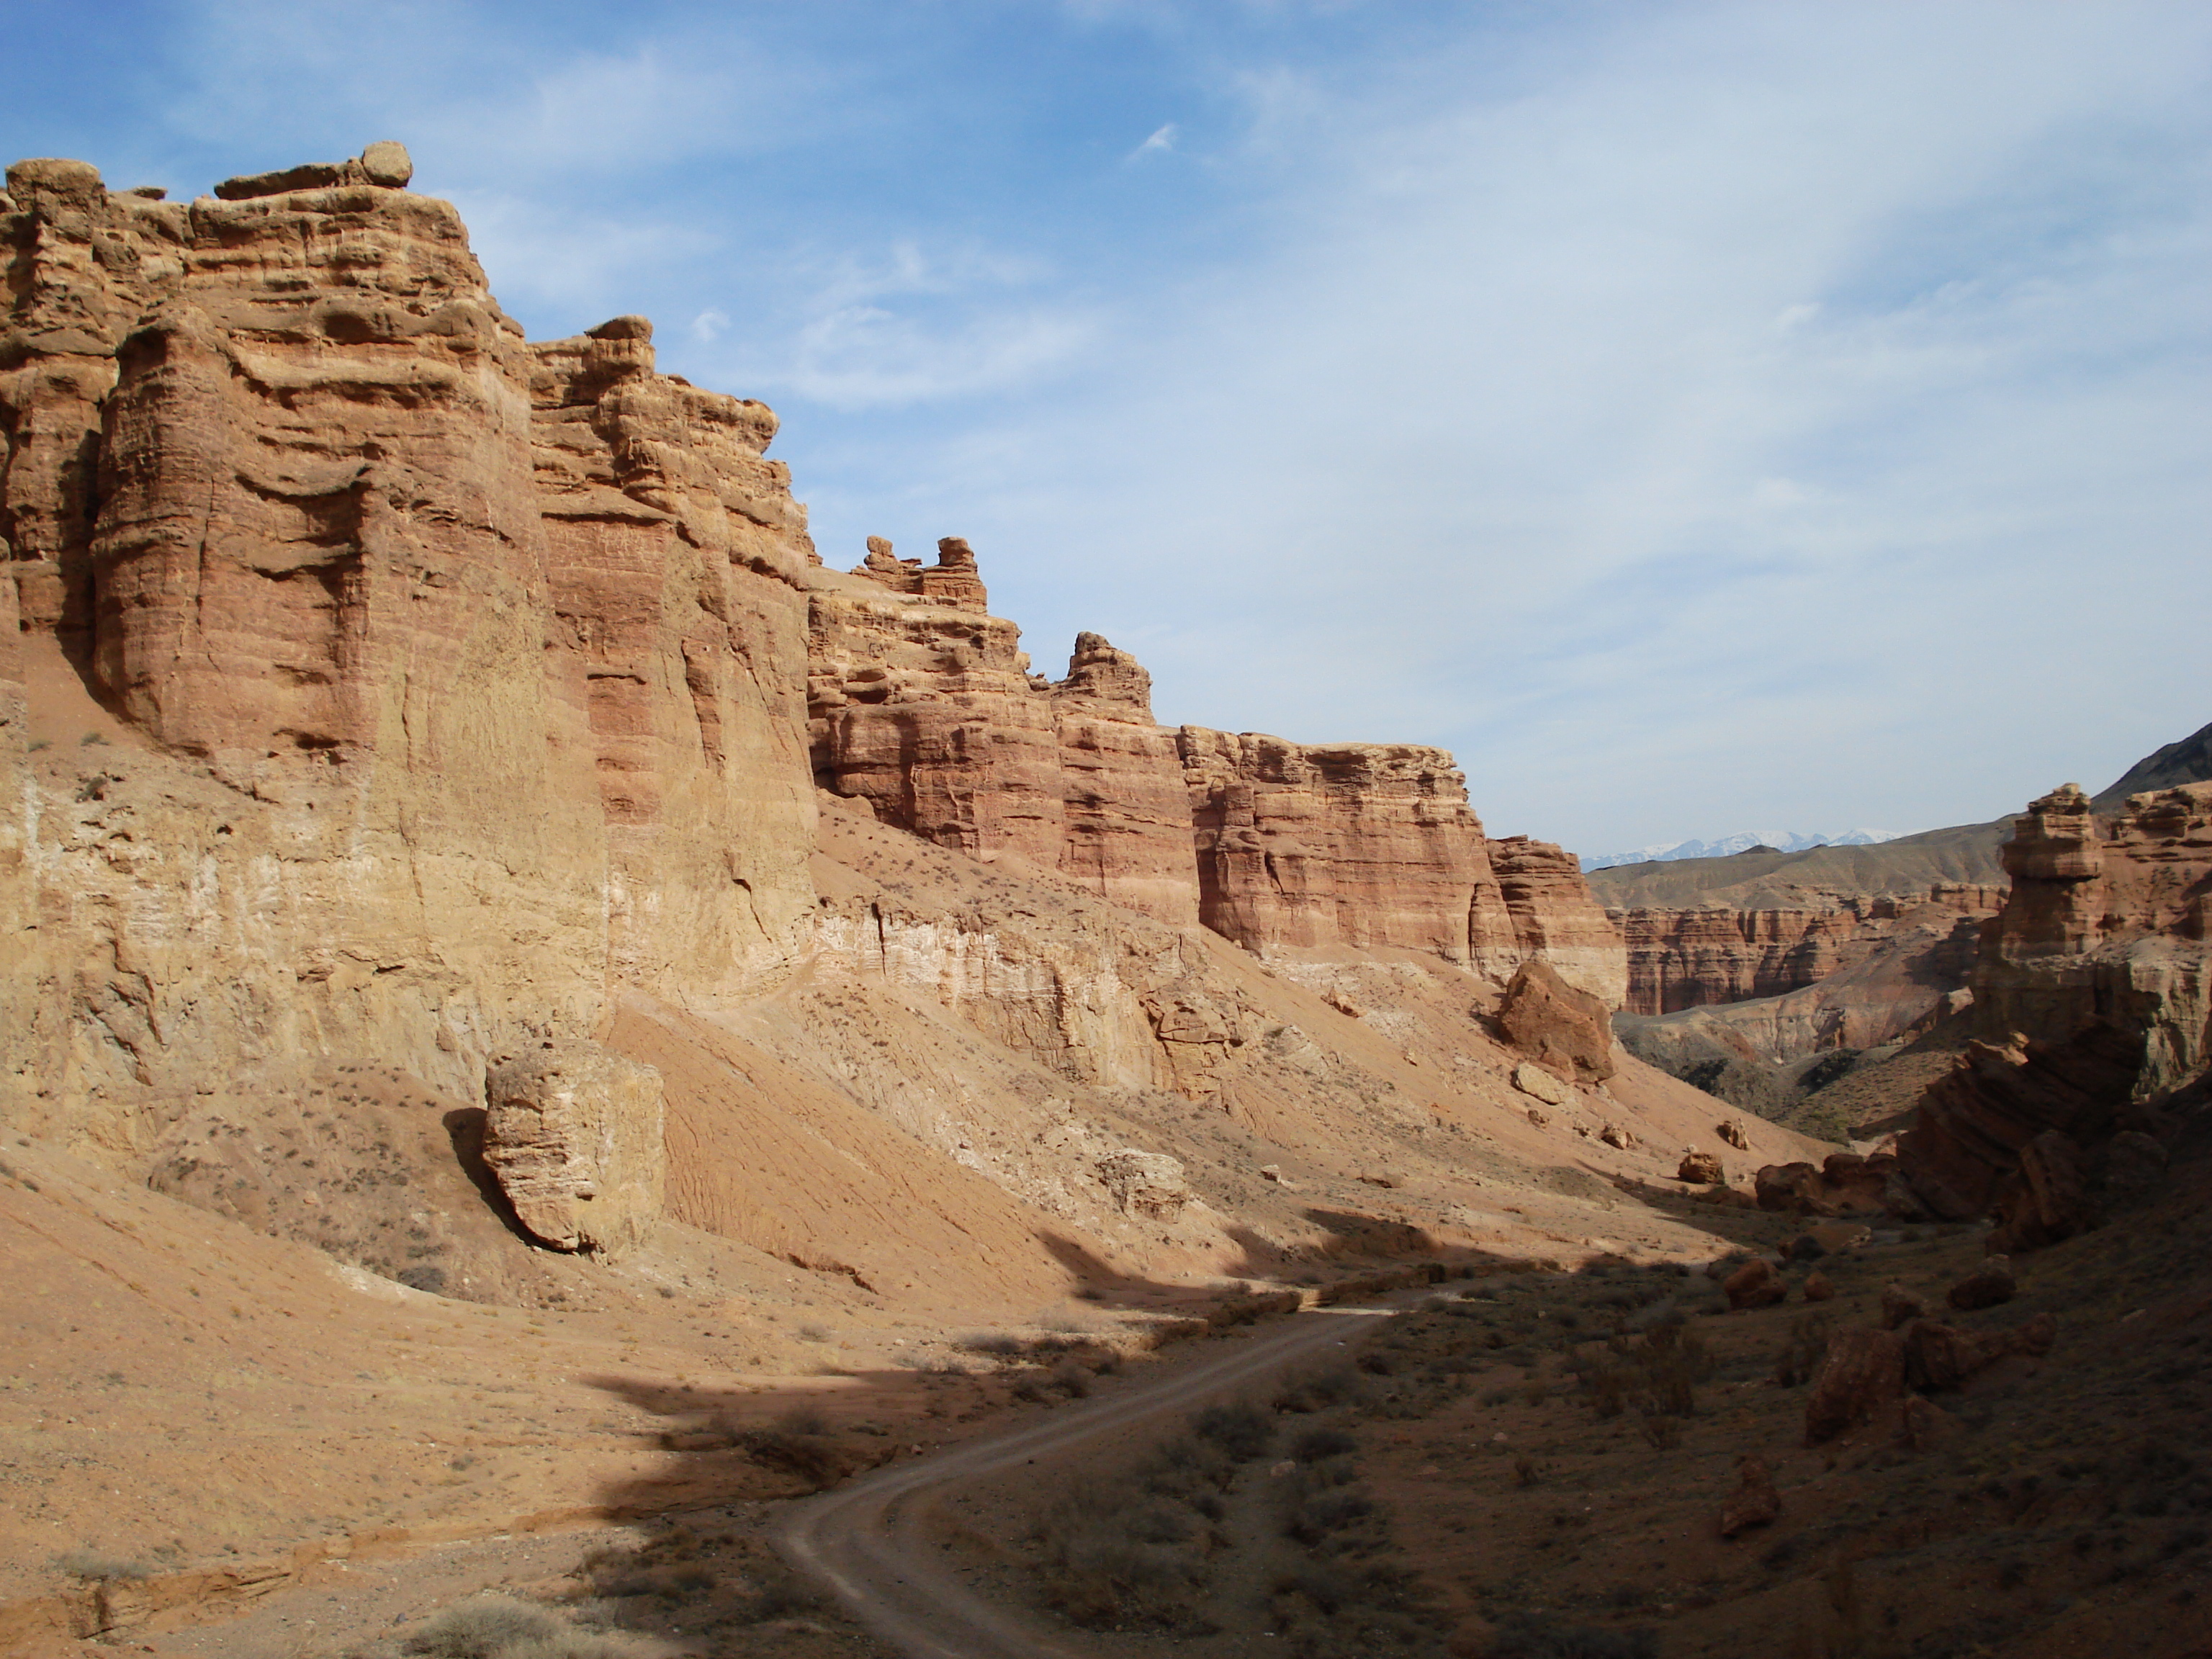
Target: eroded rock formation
575, 1135
2093, 995
1714, 954
426, 693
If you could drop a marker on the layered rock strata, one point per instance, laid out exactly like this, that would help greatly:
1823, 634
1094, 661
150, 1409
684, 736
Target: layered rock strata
2094, 997
410, 690
1714, 954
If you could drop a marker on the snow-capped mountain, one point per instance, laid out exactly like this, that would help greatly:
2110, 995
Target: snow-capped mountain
1784, 841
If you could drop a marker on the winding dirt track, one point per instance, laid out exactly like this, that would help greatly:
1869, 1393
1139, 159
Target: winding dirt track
863, 1540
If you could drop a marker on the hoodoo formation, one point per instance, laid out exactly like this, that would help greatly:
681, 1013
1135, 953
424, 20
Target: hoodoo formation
481, 889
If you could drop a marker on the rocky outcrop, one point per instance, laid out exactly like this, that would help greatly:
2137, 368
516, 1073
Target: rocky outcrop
1557, 1025
268, 498
415, 691
2094, 997
1369, 845
922, 704
1374, 846
573, 1135
1554, 917
1149, 1184
1846, 1183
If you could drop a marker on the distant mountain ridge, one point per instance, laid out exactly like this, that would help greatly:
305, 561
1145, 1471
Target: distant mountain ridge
1782, 841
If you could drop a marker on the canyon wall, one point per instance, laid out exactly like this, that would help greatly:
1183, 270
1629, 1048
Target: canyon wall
374, 682
409, 685
2092, 1000
1707, 955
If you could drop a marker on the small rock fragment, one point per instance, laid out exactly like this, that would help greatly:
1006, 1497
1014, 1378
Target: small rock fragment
1816, 1288
1755, 1503
1900, 1307
1987, 1286
1531, 1078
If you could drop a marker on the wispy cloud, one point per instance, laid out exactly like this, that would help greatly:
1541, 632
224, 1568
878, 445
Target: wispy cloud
1696, 413
1161, 140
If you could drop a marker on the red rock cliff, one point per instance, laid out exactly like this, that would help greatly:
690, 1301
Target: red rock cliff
2093, 993
454, 679
1709, 955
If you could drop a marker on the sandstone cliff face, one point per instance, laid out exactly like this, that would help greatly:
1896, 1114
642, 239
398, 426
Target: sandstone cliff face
274, 495
1374, 845
1553, 917
922, 705
676, 562
390, 686
2093, 995
1714, 954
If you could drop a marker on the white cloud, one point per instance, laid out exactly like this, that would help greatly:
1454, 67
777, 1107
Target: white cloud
710, 326
1162, 141
1721, 425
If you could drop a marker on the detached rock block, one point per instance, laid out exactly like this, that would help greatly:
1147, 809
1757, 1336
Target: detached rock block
1149, 1184
1757, 1283
1860, 1378
1536, 1081
1938, 1357
1558, 1026
573, 1135
1731, 1131
1987, 1286
1755, 1503
1900, 1307
1701, 1168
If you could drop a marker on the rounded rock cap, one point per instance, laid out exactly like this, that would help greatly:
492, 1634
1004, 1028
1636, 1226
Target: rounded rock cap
388, 163
53, 172
622, 328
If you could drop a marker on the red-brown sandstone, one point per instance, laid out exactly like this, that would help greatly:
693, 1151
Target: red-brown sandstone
2094, 999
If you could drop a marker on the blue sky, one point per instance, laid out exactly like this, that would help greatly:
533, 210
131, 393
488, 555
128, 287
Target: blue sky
1696, 417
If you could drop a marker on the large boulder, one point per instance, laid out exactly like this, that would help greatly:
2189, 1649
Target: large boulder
1757, 1283
1860, 1378
2047, 1199
1565, 1029
1702, 1169
1149, 1184
573, 1135
1755, 1503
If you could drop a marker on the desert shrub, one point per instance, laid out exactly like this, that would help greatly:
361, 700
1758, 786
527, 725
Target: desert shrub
1190, 1470
1240, 1428
491, 1627
1117, 1555
1662, 1432
1802, 1350
803, 1420
98, 1567
798, 1441
997, 1344
1533, 1636
1659, 1375
1315, 1445
1319, 1390
1316, 1517
1071, 1378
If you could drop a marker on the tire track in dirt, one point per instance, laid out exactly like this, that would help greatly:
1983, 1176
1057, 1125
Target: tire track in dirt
863, 1540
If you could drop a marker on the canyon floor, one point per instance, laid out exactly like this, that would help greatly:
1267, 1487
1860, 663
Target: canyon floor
222, 1444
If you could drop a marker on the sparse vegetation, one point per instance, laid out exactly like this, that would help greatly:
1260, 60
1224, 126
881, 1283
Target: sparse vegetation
96, 1566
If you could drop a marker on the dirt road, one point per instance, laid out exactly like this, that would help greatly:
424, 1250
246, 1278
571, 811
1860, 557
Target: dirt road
863, 1540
